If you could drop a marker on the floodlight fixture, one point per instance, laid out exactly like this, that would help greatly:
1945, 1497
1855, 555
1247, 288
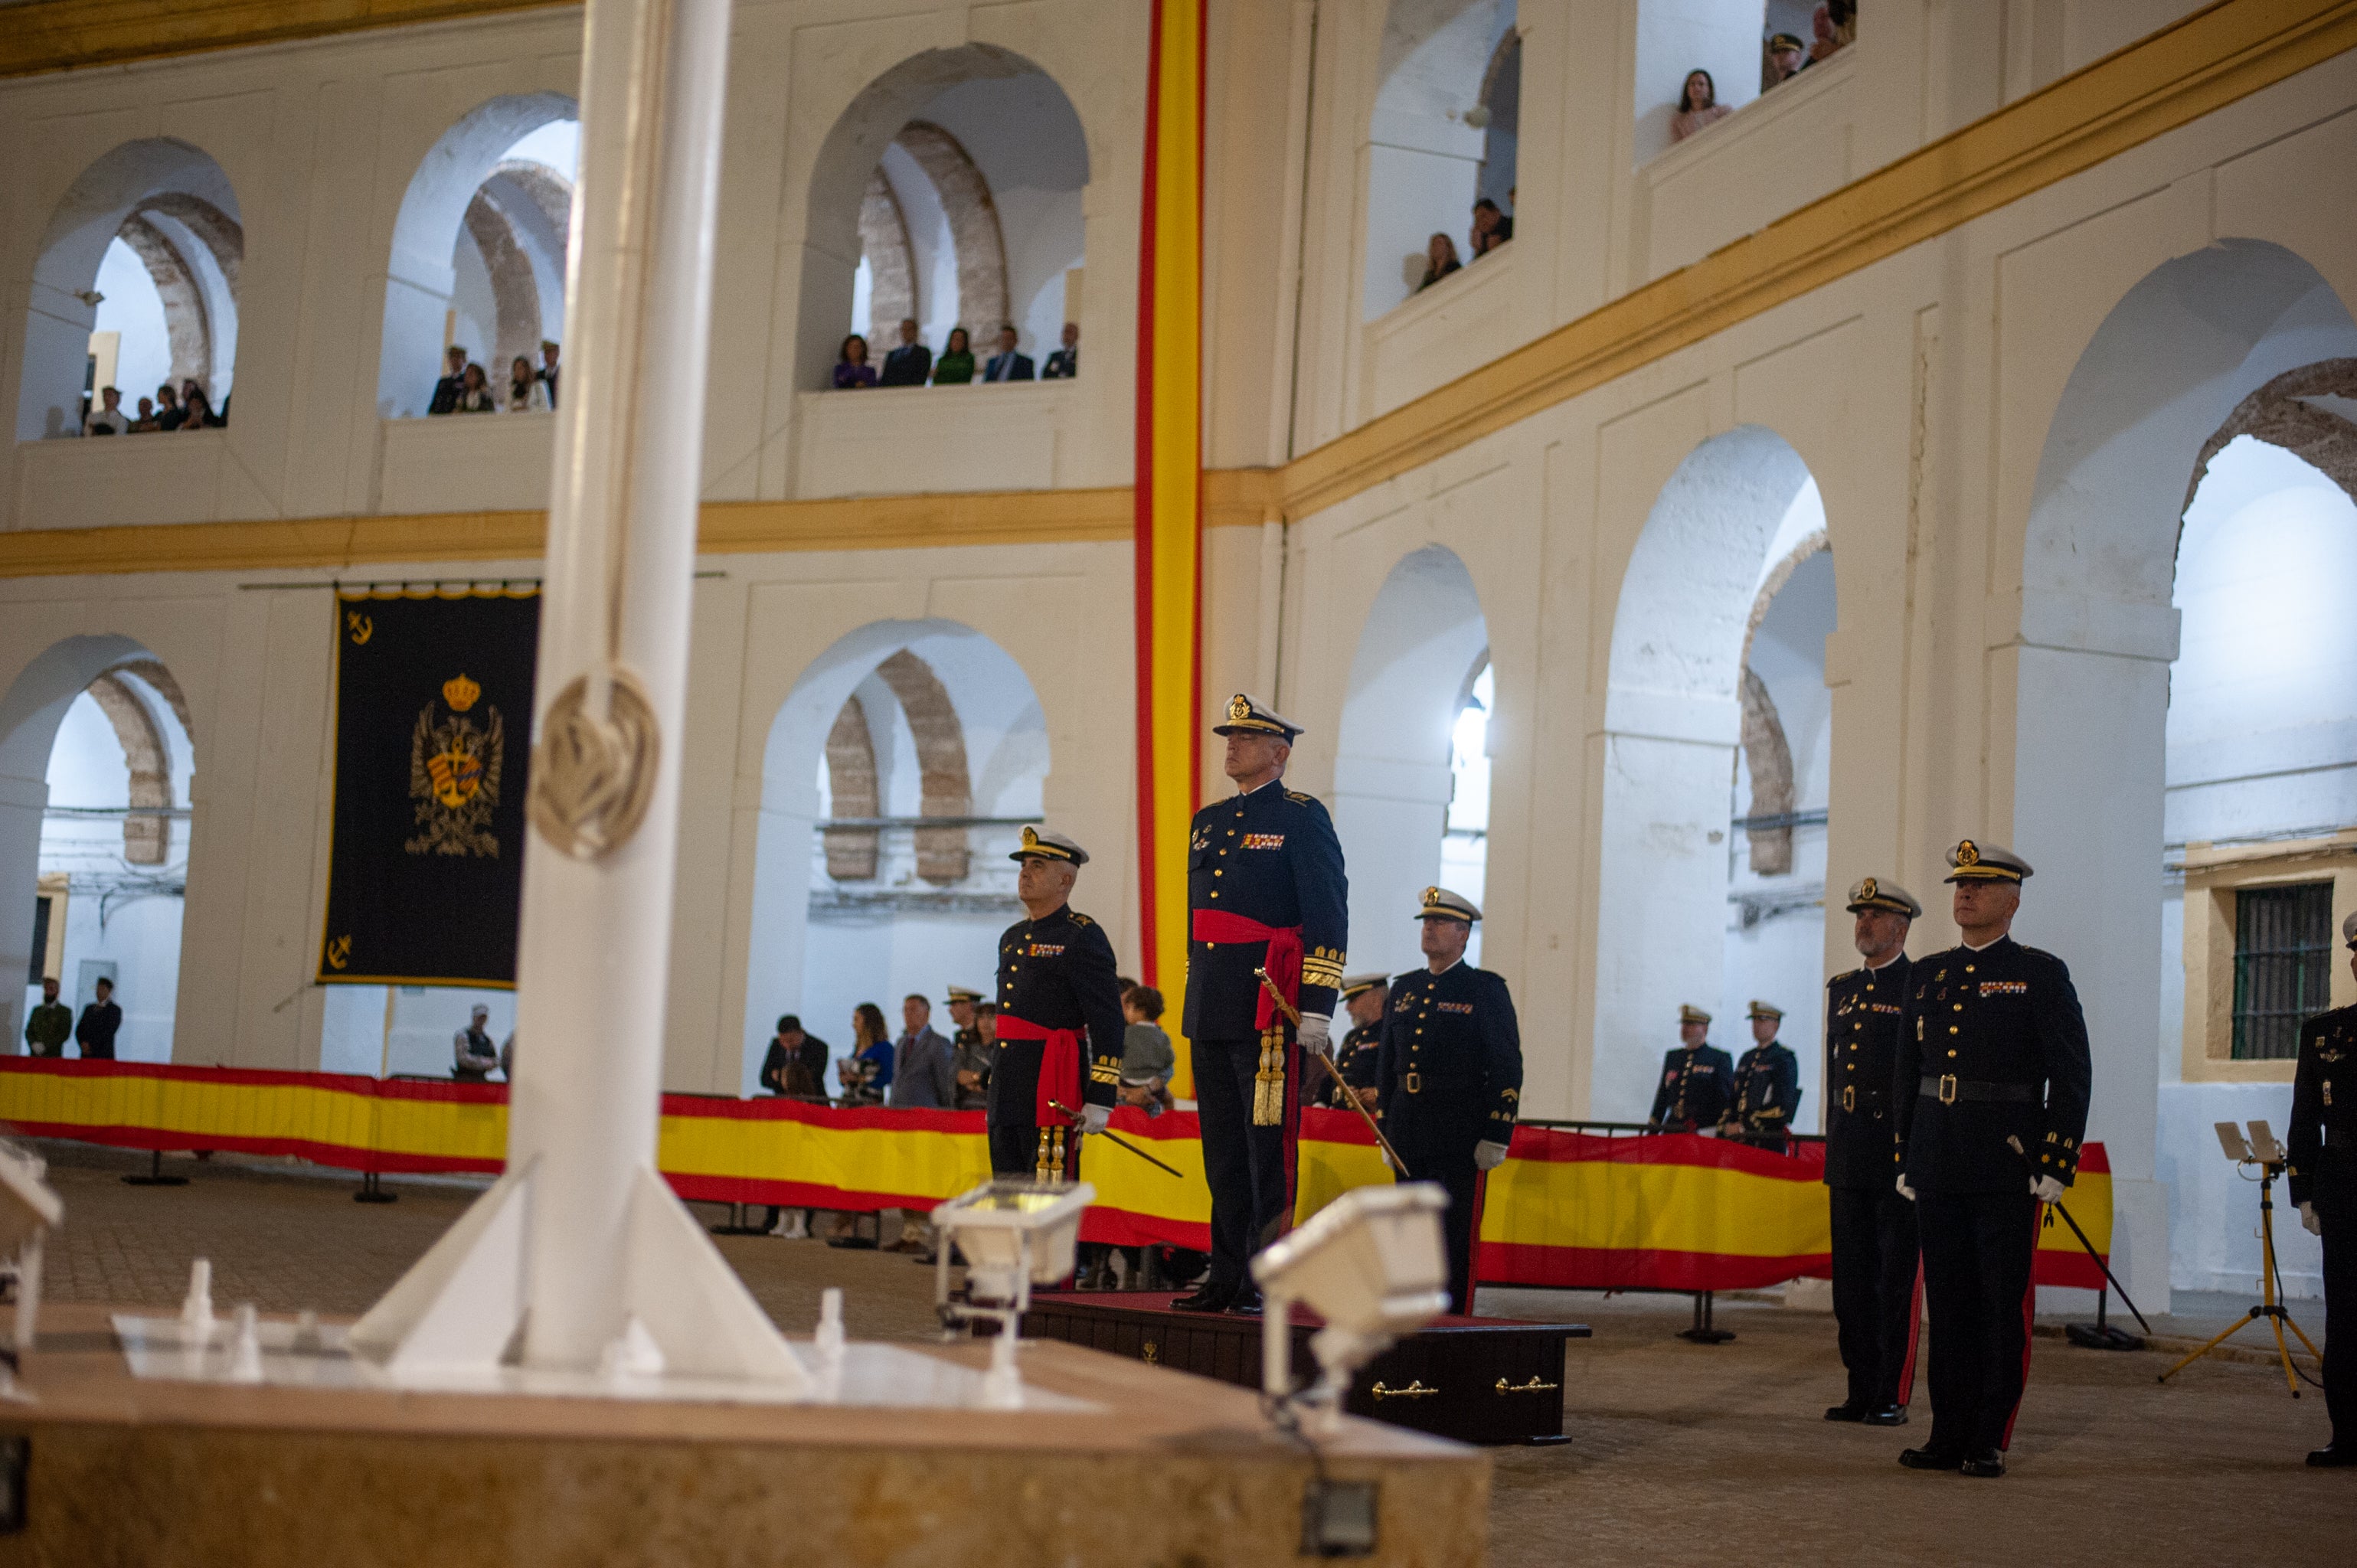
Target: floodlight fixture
1014, 1233
1372, 1264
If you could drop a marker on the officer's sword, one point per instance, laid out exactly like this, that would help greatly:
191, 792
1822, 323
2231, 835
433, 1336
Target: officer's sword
1117, 1141
2015, 1143
1293, 1016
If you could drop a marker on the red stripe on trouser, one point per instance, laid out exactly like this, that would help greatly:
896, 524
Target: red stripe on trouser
1292, 1129
2028, 1323
1473, 1241
1914, 1335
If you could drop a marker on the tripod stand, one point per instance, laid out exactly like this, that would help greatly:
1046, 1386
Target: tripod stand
2268, 1309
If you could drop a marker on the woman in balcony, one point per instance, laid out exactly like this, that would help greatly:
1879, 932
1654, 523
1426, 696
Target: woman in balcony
474, 394
1699, 106
1440, 260
852, 369
199, 409
956, 367
526, 392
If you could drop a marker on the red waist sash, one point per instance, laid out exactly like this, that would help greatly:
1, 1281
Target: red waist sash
1060, 1067
1283, 963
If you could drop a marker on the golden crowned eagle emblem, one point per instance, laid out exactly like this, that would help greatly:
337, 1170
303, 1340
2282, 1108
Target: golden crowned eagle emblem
454, 773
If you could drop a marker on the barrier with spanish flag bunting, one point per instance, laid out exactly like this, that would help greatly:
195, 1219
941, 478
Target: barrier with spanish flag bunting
1566, 1210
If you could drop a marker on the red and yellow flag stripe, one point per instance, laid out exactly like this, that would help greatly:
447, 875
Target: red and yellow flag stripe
1169, 479
1566, 1210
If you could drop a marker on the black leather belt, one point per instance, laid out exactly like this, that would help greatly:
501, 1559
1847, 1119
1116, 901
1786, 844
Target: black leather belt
1852, 1098
1947, 1088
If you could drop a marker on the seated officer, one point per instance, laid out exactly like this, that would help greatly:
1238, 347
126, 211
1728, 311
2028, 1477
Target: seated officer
2322, 1176
1767, 1085
1450, 1076
1364, 997
1697, 1080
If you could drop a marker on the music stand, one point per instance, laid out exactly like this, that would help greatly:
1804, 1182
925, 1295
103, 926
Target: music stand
2261, 1150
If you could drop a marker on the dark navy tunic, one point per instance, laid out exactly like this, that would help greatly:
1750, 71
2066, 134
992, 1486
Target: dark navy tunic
1862, 1010
1269, 856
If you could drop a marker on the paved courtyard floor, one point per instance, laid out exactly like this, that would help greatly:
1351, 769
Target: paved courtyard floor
1678, 1452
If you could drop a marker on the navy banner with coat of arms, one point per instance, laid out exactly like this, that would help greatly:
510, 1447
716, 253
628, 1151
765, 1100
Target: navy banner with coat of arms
433, 734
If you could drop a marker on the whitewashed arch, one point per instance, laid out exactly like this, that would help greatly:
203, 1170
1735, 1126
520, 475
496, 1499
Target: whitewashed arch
1673, 721
1424, 638
1440, 60
174, 205
420, 277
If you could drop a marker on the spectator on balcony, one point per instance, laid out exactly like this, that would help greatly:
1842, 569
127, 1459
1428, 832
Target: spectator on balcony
1786, 60
446, 390
956, 367
526, 394
200, 407
1440, 260
1491, 228
1699, 106
911, 364
547, 373
1007, 365
147, 420
1836, 27
169, 414
108, 418
474, 394
1065, 362
852, 369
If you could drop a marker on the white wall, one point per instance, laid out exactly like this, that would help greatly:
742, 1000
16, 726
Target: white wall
1424, 162
1675, 36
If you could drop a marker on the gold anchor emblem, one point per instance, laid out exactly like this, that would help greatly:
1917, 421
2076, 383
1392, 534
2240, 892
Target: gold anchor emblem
339, 953
1153, 1353
1239, 708
360, 626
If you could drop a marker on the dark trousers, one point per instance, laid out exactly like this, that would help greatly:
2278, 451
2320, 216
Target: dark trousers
1013, 1108
1877, 1272
2340, 1331
1977, 1247
1452, 1166
1249, 1168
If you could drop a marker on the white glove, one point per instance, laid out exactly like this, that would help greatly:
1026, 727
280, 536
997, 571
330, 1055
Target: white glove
1904, 1190
1315, 1034
1093, 1118
2046, 1188
1488, 1156
2308, 1221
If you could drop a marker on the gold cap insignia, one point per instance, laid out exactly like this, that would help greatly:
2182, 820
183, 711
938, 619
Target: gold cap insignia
1866, 888
1239, 708
460, 692
1968, 852
1431, 897
1030, 838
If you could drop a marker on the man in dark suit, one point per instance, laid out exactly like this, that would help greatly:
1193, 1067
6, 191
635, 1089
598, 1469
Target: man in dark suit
1265, 890
100, 1023
1698, 1079
1876, 1263
1451, 1078
446, 390
549, 371
911, 364
1007, 365
1065, 362
1991, 1086
2322, 1176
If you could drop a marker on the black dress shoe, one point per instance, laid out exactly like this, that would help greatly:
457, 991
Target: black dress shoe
1988, 1463
1845, 1413
2334, 1455
1886, 1415
1207, 1298
1930, 1459
1247, 1303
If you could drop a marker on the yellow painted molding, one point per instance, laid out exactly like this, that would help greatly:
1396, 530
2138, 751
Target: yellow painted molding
1243, 498
2190, 69
724, 528
43, 36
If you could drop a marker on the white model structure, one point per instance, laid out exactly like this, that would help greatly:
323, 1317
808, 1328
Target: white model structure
1014, 1234
580, 1263
1372, 1264
29, 1209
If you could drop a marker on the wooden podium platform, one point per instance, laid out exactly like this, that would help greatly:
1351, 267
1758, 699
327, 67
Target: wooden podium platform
1477, 1379
110, 1471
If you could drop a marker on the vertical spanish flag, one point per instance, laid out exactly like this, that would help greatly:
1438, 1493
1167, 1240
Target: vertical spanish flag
1169, 484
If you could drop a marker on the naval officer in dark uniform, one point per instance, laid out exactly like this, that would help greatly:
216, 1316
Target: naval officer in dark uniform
1265, 890
1450, 1076
1060, 1022
1697, 1080
2322, 1179
1364, 997
1876, 1263
1990, 1087
1767, 1085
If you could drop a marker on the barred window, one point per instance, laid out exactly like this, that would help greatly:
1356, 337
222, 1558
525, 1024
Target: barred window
2283, 966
